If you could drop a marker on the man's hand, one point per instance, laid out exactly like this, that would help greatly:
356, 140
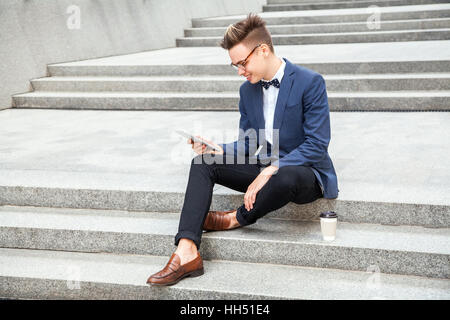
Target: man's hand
256, 185
200, 148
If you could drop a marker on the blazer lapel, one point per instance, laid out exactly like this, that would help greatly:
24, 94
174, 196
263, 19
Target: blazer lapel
258, 106
283, 94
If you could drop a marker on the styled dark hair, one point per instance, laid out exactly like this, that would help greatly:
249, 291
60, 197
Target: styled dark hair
250, 32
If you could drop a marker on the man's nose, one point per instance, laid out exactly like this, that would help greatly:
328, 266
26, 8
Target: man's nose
241, 71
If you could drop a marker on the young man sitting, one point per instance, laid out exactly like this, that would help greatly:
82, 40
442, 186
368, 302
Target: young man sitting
289, 104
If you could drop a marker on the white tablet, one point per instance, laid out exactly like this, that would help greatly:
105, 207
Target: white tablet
195, 139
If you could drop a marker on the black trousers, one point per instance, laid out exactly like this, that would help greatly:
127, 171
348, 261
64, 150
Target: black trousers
290, 183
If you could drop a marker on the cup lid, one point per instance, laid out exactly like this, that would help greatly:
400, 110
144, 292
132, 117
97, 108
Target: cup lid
328, 214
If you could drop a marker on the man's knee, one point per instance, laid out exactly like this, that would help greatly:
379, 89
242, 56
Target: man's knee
293, 177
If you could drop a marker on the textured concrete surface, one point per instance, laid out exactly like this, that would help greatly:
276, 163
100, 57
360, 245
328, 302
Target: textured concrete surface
270, 2
34, 33
337, 53
385, 25
388, 213
335, 15
327, 38
437, 100
308, 5
26, 274
341, 82
393, 249
357, 95
224, 69
137, 151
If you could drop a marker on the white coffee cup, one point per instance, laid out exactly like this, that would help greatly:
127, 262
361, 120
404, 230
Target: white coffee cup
328, 224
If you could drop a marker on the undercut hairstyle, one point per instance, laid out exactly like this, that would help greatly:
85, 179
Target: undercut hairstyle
250, 32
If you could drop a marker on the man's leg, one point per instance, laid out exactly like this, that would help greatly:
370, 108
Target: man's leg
290, 183
202, 177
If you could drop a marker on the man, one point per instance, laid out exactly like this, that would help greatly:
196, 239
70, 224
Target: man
289, 104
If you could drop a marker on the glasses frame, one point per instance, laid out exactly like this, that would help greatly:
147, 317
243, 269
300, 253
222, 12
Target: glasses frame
242, 63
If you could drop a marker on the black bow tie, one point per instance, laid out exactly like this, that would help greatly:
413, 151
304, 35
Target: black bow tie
274, 82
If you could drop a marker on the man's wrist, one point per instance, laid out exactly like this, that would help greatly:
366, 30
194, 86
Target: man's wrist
270, 170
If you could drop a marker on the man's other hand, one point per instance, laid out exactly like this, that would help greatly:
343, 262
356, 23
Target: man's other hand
256, 185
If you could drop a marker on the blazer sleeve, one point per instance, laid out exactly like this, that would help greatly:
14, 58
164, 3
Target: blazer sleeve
316, 127
247, 137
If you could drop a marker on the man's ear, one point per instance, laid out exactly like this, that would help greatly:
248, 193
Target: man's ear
265, 49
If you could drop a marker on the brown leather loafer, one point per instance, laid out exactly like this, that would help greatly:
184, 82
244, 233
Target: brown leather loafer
174, 272
217, 220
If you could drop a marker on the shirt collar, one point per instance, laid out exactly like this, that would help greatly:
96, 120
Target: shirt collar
280, 72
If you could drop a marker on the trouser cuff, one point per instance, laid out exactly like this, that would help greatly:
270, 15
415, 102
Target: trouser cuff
241, 217
188, 235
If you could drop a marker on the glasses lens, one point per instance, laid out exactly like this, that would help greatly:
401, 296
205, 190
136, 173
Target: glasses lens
238, 66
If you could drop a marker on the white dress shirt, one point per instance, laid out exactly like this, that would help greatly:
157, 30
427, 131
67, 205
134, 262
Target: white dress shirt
270, 97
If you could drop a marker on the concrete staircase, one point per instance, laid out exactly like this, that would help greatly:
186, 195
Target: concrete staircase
362, 74
385, 79
358, 24
90, 199
291, 5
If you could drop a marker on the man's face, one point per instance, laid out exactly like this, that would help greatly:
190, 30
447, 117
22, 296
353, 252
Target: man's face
254, 68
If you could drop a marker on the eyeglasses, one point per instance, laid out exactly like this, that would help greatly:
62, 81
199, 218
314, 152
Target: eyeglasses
242, 63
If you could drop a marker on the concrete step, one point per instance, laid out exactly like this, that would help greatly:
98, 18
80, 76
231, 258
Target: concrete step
389, 25
310, 1
327, 59
327, 38
389, 101
342, 82
201, 83
202, 101
393, 249
39, 274
288, 5
426, 11
388, 171
355, 211
227, 101
335, 68
306, 1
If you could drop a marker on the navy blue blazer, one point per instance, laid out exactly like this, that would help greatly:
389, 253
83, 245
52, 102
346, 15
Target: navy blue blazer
302, 117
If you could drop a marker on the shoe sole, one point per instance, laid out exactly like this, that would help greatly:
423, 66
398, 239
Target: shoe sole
195, 273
